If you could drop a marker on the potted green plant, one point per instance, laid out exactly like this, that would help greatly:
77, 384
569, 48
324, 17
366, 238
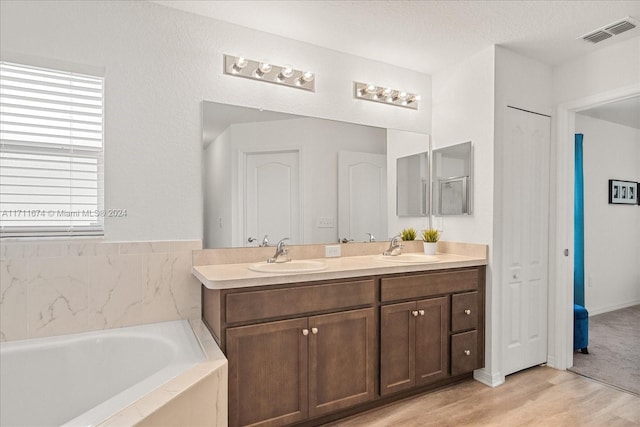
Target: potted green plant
408, 234
430, 237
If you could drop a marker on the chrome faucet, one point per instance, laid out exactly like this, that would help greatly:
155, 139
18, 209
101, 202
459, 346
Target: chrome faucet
281, 251
372, 238
395, 248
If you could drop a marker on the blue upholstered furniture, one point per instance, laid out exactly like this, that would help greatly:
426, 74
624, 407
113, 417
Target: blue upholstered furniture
580, 328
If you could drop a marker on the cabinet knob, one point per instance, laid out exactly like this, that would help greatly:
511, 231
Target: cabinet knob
314, 330
305, 332
467, 352
415, 313
467, 312
421, 312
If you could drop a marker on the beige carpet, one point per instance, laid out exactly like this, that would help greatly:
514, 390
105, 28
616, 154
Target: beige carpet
614, 350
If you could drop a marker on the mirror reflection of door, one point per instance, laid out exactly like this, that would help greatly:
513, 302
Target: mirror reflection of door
362, 195
271, 197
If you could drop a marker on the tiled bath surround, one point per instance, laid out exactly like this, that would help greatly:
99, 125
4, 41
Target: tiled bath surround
60, 287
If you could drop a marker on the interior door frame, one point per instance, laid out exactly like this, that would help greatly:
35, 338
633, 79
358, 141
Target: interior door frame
560, 314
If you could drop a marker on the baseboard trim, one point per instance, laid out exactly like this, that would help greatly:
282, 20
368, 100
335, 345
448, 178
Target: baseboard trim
487, 378
601, 310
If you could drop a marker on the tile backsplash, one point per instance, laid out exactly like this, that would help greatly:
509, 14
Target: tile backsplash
54, 288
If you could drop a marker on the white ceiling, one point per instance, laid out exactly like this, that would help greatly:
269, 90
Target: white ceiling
427, 36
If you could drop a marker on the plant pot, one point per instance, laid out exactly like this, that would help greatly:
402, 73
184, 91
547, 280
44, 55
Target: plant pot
429, 248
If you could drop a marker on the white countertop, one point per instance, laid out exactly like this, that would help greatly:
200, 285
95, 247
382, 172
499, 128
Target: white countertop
230, 276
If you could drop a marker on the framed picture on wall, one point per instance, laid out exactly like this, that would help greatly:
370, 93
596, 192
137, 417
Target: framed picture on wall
623, 192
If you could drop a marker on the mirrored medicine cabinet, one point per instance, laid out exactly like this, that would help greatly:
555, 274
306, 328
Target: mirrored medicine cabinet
452, 180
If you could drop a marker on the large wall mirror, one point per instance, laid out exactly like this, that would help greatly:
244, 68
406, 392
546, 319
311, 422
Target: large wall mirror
452, 180
282, 175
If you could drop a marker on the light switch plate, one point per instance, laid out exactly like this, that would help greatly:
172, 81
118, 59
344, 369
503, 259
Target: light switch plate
325, 222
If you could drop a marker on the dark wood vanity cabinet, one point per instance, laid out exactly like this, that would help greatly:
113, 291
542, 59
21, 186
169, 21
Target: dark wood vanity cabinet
435, 334
302, 354
285, 371
414, 344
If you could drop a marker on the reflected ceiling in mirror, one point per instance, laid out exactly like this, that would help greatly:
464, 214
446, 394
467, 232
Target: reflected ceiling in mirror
281, 175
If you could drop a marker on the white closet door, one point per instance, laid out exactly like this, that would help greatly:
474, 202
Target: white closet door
362, 195
525, 239
272, 197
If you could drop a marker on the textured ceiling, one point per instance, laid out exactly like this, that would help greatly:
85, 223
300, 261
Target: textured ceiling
427, 36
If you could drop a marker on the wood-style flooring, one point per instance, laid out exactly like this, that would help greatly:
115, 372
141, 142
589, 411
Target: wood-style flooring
539, 396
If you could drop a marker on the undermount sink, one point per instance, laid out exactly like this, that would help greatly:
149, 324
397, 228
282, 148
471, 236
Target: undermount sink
409, 258
295, 266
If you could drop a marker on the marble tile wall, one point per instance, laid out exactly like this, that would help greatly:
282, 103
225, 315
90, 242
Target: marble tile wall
53, 288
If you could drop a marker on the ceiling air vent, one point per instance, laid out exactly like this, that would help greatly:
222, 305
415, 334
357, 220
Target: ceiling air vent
613, 29
596, 37
620, 27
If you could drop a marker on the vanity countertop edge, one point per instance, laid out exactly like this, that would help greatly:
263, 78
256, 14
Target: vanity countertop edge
232, 276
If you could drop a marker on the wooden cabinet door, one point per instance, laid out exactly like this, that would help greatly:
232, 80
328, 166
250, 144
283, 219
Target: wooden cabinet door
268, 373
342, 355
432, 340
397, 347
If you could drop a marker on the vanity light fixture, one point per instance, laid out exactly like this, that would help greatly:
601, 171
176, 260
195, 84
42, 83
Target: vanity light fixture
386, 95
266, 72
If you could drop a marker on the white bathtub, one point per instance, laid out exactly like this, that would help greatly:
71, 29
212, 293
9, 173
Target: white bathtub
83, 379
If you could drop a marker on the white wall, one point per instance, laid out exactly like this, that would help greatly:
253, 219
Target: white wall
612, 232
603, 70
160, 64
463, 110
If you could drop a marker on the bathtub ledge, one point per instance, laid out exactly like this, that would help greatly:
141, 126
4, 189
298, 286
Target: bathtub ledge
181, 398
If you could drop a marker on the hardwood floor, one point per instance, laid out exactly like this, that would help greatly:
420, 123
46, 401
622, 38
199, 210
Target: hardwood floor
539, 396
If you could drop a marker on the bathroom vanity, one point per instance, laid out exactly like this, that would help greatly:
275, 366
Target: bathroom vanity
307, 348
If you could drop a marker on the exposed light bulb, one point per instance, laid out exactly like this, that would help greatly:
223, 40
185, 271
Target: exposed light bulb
239, 64
370, 89
402, 95
414, 98
306, 77
386, 92
285, 73
263, 68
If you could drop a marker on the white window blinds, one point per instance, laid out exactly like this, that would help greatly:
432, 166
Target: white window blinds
51, 152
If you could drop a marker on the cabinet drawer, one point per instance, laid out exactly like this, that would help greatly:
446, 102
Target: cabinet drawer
464, 352
255, 305
424, 285
464, 311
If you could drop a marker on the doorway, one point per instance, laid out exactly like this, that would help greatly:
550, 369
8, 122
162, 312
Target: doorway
561, 298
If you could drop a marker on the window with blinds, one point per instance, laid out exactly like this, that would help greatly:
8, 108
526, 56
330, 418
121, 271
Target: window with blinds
51, 152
